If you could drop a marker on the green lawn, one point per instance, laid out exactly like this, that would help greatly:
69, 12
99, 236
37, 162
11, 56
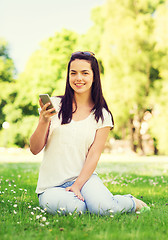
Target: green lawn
21, 217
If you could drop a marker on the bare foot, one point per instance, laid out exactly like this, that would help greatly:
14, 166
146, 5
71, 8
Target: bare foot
139, 204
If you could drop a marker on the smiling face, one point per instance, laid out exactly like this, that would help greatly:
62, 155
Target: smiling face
81, 76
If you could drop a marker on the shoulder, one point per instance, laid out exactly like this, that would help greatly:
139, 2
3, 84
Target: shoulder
105, 113
108, 119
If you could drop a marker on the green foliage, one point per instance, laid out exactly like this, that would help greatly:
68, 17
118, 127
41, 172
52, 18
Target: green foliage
133, 61
158, 123
6, 78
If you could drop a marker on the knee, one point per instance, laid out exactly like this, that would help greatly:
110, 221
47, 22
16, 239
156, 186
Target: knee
59, 203
47, 203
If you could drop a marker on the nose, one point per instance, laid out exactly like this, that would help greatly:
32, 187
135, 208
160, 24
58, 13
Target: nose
79, 77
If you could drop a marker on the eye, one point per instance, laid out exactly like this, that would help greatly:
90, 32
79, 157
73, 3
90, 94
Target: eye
73, 73
85, 73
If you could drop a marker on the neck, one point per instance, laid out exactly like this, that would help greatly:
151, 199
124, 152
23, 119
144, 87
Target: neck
83, 99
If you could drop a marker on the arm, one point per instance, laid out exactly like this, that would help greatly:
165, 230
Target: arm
39, 137
91, 161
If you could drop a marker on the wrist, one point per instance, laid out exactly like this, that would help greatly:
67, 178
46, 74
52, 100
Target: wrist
78, 183
44, 121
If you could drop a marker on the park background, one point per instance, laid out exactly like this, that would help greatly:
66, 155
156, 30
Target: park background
130, 41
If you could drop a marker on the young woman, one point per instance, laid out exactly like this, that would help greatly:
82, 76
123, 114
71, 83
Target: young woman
74, 138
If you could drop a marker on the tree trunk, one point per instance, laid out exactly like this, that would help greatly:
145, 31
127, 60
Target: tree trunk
139, 136
155, 146
132, 131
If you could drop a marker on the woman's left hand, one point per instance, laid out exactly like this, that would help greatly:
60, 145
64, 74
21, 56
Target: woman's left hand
76, 191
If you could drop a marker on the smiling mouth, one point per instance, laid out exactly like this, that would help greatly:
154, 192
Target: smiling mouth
79, 84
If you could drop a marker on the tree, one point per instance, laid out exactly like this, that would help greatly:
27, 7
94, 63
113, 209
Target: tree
45, 72
7, 73
158, 123
129, 54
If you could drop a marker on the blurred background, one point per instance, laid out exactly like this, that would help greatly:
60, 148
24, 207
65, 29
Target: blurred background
130, 41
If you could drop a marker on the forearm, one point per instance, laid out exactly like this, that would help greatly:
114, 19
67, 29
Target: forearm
88, 168
92, 157
38, 139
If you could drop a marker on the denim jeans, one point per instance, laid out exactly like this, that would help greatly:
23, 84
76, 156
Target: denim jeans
97, 199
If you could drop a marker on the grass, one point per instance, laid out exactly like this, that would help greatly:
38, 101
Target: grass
21, 217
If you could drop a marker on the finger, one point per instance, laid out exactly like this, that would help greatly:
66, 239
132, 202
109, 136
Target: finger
79, 196
68, 189
46, 105
48, 113
51, 110
40, 102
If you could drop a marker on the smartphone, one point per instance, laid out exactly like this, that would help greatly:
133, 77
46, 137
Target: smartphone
45, 99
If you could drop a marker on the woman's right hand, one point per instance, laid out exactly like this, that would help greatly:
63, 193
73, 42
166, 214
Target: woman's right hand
45, 115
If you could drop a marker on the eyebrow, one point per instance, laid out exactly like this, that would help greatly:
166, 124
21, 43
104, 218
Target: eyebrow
81, 71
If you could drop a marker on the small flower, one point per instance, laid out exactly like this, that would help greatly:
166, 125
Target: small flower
43, 219
111, 211
62, 209
32, 213
15, 212
34, 209
42, 225
47, 223
25, 190
137, 212
15, 205
111, 216
29, 206
37, 217
14, 185
42, 211
70, 213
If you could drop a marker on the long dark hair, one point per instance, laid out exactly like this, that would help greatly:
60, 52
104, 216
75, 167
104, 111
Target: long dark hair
97, 95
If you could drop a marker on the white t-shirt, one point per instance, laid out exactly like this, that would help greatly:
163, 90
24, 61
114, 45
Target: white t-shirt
67, 147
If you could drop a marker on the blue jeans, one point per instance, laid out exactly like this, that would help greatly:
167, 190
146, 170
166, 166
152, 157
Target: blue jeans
98, 199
